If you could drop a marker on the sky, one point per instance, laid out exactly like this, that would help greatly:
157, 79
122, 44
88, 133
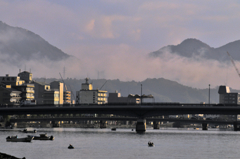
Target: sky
108, 34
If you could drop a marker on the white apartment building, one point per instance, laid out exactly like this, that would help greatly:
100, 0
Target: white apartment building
87, 95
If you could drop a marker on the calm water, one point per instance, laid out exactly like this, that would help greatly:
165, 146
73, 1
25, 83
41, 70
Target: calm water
126, 144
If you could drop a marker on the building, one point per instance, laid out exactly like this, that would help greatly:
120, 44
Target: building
51, 97
226, 97
25, 76
16, 83
67, 97
56, 85
31, 92
27, 93
87, 95
9, 96
115, 98
44, 93
11, 80
40, 88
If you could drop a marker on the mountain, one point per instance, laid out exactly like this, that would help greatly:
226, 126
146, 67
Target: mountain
193, 48
17, 44
162, 89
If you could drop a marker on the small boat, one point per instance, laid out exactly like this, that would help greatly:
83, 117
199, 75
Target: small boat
42, 137
28, 131
150, 144
114, 129
16, 139
70, 147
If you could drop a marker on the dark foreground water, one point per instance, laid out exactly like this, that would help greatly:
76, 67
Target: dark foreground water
126, 144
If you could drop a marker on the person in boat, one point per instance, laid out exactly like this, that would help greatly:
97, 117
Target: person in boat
150, 143
70, 146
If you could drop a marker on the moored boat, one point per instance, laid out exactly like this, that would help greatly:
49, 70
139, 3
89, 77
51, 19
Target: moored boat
29, 131
42, 137
16, 139
114, 129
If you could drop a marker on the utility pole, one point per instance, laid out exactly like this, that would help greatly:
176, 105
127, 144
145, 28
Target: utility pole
209, 95
141, 94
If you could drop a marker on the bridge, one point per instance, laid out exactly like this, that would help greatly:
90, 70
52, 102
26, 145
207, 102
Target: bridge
139, 112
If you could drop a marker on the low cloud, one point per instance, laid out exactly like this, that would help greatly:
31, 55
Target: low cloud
126, 63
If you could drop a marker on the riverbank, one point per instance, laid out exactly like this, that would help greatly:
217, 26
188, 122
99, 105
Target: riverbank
7, 156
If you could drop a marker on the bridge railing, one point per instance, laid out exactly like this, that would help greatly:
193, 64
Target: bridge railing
128, 104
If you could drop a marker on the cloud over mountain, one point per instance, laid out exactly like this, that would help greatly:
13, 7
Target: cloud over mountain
192, 62
193, 48
26, 45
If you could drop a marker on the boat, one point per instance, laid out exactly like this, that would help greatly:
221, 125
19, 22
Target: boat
150, 144
114, 129
29, 131
42, 137
70, 147
16, 139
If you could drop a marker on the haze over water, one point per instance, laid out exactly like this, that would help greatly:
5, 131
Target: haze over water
126, 144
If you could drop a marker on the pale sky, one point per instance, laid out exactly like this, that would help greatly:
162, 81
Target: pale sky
99, 29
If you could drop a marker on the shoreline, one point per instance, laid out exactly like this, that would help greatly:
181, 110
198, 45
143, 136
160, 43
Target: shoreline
7, 156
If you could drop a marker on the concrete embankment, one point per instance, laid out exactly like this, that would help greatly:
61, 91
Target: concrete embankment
6, 156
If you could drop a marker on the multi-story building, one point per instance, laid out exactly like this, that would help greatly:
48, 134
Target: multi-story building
11, 80
87, 95
56, 85
15, 82
67, 97
31, 92
51, 97
9, 96
25, 76
45, 93
114, 98
226, 97
27, 93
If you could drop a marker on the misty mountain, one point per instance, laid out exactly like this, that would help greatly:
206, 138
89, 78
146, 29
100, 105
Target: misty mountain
193, 48
162, 89
18, 44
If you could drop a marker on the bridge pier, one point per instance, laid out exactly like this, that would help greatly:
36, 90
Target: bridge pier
204, 126
235, 126
6, 121
156, 125
141, 126
55, 124
103, 124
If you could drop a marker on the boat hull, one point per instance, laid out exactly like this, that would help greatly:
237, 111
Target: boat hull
26, 139
42, 137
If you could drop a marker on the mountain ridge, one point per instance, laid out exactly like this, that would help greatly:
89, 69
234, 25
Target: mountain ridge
162, 89
191, 48
25, 45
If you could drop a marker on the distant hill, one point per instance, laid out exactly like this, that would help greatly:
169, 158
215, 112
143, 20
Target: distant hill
162, 89
193, 48
17, 44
